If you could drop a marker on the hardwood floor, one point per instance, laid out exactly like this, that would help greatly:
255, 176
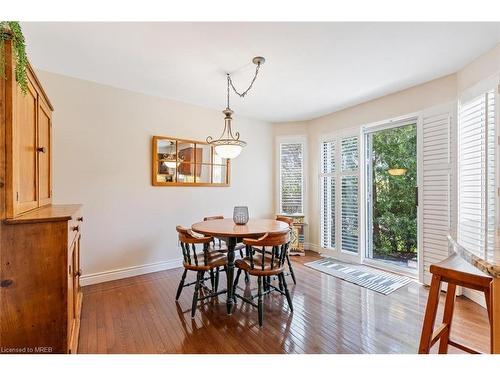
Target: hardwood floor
140, 315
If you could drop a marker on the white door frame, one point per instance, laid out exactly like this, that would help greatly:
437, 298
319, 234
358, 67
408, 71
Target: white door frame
407, 119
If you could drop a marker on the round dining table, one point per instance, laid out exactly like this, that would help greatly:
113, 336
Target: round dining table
232, 234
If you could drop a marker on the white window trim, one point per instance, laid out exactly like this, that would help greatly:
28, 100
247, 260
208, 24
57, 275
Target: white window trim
490, 83
279, 140
480, 88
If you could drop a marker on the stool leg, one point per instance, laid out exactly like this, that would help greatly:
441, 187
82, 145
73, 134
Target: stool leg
430, 315
487, 296
447, 318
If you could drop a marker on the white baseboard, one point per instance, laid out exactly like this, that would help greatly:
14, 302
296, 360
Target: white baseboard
121, 273
313, 247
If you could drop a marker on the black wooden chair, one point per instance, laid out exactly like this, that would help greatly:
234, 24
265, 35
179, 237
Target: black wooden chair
290, 268
268, 250
264, 265
205, 261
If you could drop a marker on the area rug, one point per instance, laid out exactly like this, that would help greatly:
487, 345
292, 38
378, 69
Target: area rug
367, 277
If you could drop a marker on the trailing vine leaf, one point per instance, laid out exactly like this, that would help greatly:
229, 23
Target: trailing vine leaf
11, 30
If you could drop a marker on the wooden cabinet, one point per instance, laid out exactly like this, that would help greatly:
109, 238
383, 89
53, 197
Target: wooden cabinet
28, 143
40, 296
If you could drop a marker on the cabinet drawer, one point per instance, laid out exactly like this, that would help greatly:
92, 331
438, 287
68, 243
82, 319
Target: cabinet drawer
74, 227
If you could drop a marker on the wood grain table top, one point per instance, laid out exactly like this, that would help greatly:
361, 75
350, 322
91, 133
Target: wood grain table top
227, 228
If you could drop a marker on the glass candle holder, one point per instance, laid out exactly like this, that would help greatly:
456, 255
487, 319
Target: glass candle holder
240, 215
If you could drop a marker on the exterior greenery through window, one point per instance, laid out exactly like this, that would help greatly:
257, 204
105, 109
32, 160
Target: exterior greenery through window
291, 178
394, 206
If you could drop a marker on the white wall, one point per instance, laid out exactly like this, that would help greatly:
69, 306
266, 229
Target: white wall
102, 159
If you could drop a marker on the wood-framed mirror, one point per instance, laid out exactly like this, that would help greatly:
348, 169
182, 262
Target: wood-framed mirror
184, 162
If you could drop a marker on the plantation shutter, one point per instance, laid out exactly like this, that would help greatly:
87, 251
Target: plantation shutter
476, 173
327, 186
349, 191
435, 186
291, 177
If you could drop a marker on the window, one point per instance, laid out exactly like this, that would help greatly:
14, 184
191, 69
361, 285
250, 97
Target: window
476, 172
346, 180
291, 178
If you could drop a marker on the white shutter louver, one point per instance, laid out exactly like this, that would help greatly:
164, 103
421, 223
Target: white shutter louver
291, 178
327, 185
476, 173
350, 187
350, 214
435, 186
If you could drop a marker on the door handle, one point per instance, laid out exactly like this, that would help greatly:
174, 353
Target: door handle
43, 150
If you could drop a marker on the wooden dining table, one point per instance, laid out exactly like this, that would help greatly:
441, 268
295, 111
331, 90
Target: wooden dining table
232, 234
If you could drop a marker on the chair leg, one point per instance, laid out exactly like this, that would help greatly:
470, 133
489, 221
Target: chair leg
259, 305
447, 318
291, 268
430, 315
280, 284
235, 284
287, 293
199, 277
212, 279
216, 287
247, 277
181, 285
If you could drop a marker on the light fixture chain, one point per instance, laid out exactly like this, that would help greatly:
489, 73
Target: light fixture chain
242, 95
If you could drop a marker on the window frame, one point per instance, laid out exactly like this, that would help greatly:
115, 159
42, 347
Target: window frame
338, 136
297, 139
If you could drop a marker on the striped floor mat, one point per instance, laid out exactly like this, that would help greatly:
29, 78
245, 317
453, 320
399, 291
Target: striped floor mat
371, 278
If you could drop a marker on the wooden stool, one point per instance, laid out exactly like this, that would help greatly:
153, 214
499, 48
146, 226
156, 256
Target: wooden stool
456, 272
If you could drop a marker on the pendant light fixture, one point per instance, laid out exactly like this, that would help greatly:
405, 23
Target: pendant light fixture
229, 145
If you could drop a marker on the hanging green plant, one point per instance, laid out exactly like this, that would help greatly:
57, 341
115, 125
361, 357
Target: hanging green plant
11, 30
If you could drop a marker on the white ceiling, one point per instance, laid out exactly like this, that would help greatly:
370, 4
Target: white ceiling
312, 68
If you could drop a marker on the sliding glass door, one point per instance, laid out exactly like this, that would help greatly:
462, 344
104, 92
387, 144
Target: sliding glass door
391, 192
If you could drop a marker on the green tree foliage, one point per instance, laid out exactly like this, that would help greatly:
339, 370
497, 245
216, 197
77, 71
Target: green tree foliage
394, 199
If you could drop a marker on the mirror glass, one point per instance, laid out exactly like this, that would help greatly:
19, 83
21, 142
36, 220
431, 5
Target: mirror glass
178, 161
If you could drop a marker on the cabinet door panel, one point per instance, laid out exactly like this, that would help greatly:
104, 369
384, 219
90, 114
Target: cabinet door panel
25, 150
44, 154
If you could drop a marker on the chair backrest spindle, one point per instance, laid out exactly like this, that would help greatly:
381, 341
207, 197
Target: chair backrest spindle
188, 244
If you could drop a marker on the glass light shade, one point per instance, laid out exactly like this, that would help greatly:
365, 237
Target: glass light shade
228, 151
397, 171
171, 164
